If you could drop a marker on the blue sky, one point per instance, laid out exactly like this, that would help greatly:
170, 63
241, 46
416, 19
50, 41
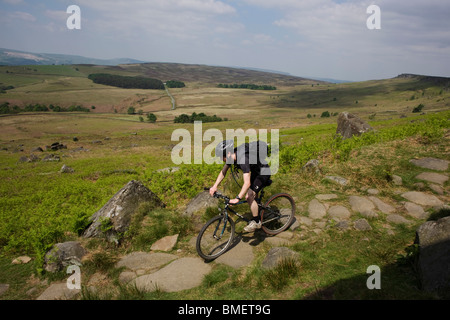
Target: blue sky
309, 38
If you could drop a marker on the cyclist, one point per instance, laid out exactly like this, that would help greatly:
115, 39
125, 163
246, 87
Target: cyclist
256, 175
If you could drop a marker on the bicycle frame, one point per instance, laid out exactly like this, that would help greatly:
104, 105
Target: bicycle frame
228, 209
225, 225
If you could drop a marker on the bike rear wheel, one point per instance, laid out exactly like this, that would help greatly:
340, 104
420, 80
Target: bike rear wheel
277, 213
215, 237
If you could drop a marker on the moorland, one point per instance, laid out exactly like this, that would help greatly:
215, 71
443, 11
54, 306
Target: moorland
107, 146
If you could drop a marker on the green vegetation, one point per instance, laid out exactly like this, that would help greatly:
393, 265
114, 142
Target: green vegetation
175, 84
296, 156
184, 118
247, 86
5, 108
418, 108
151, 117
125, 81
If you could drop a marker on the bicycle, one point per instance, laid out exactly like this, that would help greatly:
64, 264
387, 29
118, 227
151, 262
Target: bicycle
217, 235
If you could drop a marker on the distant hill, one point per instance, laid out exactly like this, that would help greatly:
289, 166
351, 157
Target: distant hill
213, 74
159, 70
439, 81
11, 57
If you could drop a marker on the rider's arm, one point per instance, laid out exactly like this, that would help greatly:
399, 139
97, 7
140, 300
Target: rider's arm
219, 179
245, 186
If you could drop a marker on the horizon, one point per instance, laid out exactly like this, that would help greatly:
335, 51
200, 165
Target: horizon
328, 39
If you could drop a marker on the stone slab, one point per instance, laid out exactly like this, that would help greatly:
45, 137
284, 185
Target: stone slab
431, 163
422, 198
238, 256
181, 274
433, 177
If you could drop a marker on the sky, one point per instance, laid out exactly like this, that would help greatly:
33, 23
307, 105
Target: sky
306, 38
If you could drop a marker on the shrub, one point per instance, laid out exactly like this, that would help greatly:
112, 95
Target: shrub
151, 118
175, 84
418, 108
184, 118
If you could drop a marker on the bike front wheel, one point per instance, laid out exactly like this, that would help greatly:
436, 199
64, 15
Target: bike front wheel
215, 237
277, 213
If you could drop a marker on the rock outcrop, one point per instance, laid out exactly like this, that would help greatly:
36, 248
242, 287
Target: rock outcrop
433, 238
349, 125
115, 216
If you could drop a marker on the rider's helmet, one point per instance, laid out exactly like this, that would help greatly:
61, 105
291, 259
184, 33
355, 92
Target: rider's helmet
224, 147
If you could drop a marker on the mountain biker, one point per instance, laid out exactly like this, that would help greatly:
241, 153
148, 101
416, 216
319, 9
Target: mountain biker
256, 173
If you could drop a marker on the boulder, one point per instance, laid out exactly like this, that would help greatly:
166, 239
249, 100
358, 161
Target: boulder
117, 213
362, 225
312, 166
165, 244
66, 169
51, 158
200, 203
55, 146
62, 255
337, 179
433, 238
350, 125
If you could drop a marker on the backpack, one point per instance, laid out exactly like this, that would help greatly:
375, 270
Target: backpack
257, 152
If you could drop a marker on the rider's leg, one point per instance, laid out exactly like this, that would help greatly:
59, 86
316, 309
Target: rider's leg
251, 195
255, 223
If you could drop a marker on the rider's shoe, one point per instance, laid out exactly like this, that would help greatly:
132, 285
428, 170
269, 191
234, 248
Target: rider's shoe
252, 226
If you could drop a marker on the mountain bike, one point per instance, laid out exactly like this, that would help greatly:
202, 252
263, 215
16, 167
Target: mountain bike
217, 235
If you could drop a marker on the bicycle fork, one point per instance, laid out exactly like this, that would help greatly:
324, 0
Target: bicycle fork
225, 221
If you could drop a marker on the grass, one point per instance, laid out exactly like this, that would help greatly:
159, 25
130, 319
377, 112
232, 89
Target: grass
40, 206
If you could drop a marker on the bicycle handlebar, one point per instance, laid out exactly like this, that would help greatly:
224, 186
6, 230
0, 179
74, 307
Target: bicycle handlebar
218, 195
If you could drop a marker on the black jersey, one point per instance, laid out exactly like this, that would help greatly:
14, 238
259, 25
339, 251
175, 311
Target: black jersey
250, 160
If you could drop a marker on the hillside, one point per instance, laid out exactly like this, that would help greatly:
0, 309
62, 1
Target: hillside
214, 74
9, 57
69, 85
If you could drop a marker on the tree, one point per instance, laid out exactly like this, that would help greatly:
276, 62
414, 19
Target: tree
131, 110
151, 118
175, 84
126, 81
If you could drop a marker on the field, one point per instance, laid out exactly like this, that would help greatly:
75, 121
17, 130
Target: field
41, 206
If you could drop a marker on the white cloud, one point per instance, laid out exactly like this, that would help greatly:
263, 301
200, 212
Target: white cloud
25, 16
184, 19
58, 15
335, 32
